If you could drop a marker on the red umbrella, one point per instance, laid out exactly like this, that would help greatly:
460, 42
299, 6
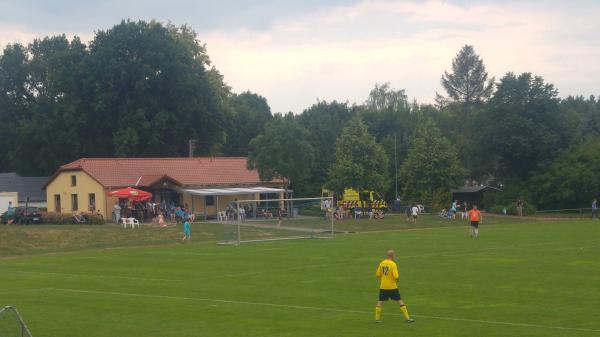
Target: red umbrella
131, 194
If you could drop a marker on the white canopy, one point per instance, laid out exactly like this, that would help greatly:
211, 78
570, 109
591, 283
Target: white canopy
231, 191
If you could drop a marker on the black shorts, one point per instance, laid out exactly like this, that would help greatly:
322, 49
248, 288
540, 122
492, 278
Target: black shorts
386, 294
475, 224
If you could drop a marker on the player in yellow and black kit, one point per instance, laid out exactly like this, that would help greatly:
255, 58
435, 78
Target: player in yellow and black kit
387, 273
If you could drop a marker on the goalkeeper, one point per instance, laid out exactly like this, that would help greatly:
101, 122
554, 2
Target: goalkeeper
387, 273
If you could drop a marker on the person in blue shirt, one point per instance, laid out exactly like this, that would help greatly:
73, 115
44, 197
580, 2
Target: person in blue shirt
187, 234
595, 209
453, 208
10, 211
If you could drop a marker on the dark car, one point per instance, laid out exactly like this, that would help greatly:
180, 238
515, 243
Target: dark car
24, 216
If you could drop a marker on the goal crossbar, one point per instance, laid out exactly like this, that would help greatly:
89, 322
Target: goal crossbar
284, 199
306, 226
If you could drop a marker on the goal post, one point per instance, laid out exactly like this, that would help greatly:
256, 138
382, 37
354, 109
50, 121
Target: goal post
259, 220
12, 324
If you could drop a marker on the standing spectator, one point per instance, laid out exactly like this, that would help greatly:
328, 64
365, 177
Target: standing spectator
520, 207
414, 213
408, 211
453, 209
117, 212
10, 211
187, 234
595, 209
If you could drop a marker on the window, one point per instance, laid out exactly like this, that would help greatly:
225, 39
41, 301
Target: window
73, 180
57, 203
91, 202
74, 203
210, 200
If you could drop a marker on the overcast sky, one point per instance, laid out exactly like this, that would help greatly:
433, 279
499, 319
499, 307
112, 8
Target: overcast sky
295, 52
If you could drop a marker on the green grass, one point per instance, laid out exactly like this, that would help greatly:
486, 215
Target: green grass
519, 279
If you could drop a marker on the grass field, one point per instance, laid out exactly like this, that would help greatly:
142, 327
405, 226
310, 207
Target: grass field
519, 279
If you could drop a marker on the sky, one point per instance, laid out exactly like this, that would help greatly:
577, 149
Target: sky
296, 53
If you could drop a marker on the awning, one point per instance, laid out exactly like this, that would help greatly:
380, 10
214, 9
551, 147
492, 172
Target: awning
231, 191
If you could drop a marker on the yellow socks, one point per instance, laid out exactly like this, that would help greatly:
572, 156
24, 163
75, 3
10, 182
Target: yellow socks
405, 312
378, 313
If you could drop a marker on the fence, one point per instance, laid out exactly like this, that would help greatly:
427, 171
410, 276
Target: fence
567, 213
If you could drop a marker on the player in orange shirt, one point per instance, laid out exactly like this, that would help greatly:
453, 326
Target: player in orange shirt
475, 218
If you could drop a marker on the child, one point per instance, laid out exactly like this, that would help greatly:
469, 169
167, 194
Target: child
186, 231
161, 220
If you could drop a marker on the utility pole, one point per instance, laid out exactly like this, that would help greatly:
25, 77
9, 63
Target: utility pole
396, 165
191, 147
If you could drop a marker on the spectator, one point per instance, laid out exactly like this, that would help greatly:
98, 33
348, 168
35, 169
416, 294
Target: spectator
10, 211
595, 209
520, 207
117, 212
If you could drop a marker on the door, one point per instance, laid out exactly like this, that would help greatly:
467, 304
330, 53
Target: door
57, 207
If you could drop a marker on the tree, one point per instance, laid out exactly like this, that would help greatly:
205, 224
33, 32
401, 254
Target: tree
468, 83
384, 97
572, 180
431, 168
522, 127
282, 150
390, 118
250, 114
360, 163
138, 89
151, 92
47, 120
324, 121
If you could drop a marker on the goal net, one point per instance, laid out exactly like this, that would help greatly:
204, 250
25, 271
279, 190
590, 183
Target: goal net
276, 219
12, 324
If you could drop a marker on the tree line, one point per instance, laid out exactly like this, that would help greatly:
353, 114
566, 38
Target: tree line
144, 89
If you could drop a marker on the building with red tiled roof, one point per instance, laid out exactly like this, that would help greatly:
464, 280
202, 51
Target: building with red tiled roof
82, 185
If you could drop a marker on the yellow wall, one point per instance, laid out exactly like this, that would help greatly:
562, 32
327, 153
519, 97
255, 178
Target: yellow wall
61, 185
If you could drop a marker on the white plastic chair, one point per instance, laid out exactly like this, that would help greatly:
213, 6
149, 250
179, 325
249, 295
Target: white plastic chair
357, 214
221, 216
124, 222
134, 222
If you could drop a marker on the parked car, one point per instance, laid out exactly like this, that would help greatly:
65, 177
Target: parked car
23, 216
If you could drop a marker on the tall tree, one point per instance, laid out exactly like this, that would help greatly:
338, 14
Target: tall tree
324, 121
250, 114
282, 151
360, 163
432, 166
468, 82
151, 91
48, 120
390, 118
522, 127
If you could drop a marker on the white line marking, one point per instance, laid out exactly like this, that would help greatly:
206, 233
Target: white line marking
90, 275
302, 307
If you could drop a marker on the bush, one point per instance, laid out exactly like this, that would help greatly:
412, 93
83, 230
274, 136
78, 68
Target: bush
51, 218
94, 219
67, 219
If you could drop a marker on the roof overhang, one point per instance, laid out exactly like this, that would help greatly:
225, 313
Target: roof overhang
473, 189
230, 191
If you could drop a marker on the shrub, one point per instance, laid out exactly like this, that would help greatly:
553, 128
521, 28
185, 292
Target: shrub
67, 219
51, 218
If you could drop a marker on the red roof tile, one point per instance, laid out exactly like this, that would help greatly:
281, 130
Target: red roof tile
199, 171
